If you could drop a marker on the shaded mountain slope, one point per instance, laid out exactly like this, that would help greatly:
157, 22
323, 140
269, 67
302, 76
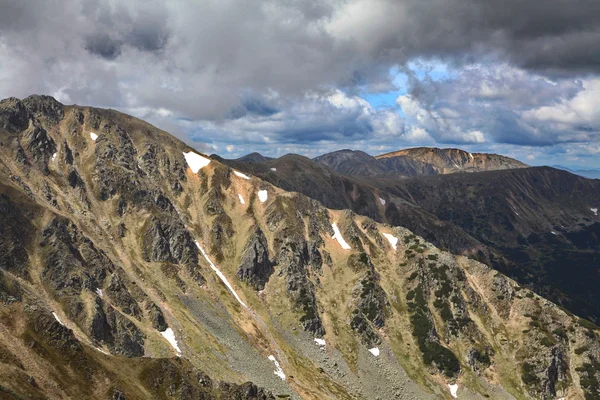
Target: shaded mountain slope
543, 219
131, 263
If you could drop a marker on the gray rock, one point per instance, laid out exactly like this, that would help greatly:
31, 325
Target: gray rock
255, 266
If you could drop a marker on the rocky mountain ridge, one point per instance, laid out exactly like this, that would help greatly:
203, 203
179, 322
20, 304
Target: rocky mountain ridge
134, 267
419, 161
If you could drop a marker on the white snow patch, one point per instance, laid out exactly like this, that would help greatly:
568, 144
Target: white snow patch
195, 161
453, 390
102, 351
552, 232
392, 239
221, 276
456, 165
93, 136
320, 342
241, 199
273, 169
99, 292
170, 336
57, 319
278, 371
594, 210
471, 156
382, 201
243, 176
54, 156
338, 236
374, 351
262, 195
516, 213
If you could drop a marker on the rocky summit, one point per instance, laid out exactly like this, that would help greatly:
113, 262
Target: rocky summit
134, 267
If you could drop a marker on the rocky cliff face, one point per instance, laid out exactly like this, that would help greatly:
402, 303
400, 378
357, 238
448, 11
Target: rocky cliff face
133, 267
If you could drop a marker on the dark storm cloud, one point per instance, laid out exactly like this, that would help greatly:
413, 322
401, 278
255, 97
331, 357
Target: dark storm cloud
103, 46
199, 60
253, 105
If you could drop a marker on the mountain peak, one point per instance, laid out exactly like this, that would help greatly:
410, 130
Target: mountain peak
415, 161
452, 159
254, 157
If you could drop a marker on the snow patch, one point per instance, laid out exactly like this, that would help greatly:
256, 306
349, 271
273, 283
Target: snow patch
320, 342
278, 371
102, 351
471, 156
57, 319
338, 236
392, 239
241, 199
273, 169
594, 210
374, 351
54, 156
195, 161
263, 195
243, 176
382, 201
456, 165
552, 232
170, 336
453, 390
93, 136
99, 292
221, 276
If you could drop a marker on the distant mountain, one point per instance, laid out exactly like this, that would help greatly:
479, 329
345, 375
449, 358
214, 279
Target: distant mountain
586, 173
421, 161
254, 158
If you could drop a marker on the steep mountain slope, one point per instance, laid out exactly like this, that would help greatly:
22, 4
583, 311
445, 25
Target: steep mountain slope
543, 219
131, 263
503, 218
421, 161
296, 173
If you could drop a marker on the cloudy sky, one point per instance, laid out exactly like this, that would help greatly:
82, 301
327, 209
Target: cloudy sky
517, 77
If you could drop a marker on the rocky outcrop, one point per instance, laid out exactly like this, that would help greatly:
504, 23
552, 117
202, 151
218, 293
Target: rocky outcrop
118, 333
15, 231
295, 259
40, 146
168, 241
44, 108
72, 263
121, 297
255, 265
14, 116
157, 318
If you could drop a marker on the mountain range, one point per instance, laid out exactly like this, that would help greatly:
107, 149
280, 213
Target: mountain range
134, 267
593, 173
